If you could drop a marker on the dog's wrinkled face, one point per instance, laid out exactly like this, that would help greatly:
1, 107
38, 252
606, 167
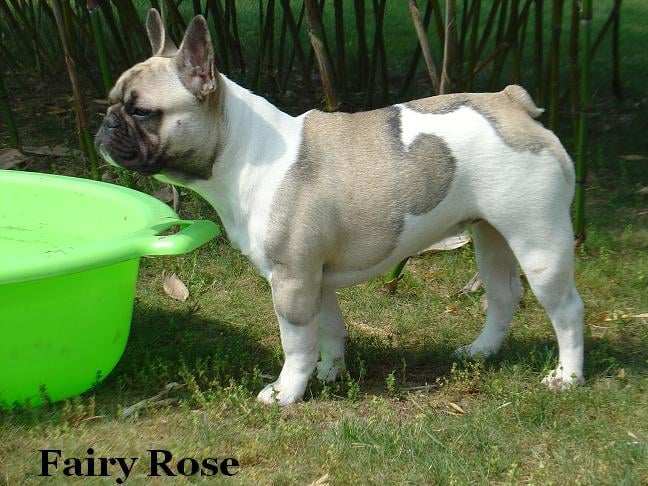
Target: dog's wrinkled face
163, 116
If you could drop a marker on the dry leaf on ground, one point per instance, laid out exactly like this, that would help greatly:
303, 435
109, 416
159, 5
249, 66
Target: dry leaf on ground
323, 481
176, 199
175, 288
158, 400
633, 157
11, 158
449, 243
164, 193
55, 151
58, 111
471, 287
456, 407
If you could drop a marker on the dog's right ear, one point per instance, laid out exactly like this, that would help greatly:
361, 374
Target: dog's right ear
161, 43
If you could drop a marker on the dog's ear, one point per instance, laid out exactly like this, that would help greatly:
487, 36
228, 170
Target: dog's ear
195, 59
161, 43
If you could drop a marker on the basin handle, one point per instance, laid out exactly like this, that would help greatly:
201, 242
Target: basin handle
193, 234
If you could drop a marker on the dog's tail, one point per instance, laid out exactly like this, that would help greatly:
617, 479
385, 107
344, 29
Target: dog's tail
520, 97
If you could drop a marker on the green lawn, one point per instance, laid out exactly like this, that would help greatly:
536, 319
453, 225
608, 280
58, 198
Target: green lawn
407, 413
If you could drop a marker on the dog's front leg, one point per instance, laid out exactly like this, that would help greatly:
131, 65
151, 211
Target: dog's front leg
297, 301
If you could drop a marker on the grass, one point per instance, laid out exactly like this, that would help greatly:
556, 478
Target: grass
397, 417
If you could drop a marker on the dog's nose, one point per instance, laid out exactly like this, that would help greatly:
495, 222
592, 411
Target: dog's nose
111, 120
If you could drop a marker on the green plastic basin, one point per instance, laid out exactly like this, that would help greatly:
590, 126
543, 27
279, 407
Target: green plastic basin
69, 255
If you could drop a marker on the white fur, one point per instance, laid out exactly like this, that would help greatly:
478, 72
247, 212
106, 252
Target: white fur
242, 192
490, 181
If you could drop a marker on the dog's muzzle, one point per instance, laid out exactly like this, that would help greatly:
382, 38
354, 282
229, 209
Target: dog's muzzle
118, 145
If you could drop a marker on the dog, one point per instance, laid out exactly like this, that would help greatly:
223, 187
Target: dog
328, 200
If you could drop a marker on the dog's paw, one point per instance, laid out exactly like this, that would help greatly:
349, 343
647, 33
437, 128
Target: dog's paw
329, 371
273, 393
471, 351
558, 379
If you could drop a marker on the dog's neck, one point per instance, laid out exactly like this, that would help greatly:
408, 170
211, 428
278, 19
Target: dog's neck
258, 143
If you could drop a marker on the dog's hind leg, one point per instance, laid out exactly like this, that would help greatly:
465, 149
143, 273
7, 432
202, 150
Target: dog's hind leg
332, 336
498, 270
544, 246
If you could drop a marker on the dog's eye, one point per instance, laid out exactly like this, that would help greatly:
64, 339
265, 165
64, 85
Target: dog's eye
141, 113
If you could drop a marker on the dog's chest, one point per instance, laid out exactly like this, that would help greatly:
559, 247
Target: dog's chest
243, 194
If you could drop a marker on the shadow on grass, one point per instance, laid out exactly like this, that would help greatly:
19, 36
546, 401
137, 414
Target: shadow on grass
178, 346
416, 367
173, 346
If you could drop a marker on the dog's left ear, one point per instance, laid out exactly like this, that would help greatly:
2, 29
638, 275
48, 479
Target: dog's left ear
195, 59
161, 43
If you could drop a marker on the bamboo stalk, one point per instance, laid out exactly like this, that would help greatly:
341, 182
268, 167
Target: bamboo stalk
339, 46
416, 57
513, 43
174, 21
270, 21
616, 64
538, 51
609, 22
424, 45
132, 25
236, 40
282, 45
500, 38
321, 53
7, 115
197, 8
472, 46
218, 17
553, 81
298, 49
266, 55
13, 24
491, 57
439, 21
488, 28
585, 94
378, 56
574, 94
36, 52
363, 50
86, 138
97, 32
383, 53
293, 52
311, 51
523, 22
394, 275
449, 48
263, 37
109, 17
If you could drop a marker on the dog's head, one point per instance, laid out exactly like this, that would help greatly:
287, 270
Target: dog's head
164, 116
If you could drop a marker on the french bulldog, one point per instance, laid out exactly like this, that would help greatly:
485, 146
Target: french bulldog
327, 200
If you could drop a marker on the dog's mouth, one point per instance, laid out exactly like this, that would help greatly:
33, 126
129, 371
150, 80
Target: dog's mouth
134, 164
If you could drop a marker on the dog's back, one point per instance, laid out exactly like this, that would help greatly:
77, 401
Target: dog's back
370, 188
